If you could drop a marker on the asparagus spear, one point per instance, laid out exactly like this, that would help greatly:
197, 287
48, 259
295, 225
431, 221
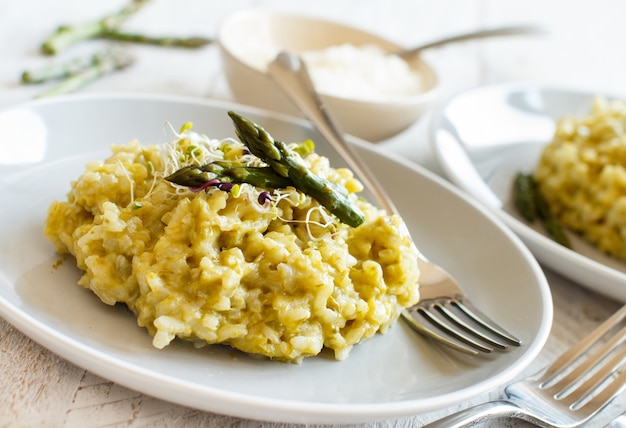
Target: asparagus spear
183, 42
531, 205
556, 232
288, 164
66, 36
65, 69
101, 64
552, 226
227, 172
524, 196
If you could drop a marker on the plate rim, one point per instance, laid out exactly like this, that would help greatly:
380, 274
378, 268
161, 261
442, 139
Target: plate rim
294, 410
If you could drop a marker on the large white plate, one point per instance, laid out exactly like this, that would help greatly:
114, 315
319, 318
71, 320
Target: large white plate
394, 375
483, 137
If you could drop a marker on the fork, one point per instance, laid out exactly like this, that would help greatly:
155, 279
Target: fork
567, 393
443, 312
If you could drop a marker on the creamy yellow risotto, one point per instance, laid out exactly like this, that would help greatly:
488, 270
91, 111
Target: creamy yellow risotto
582, 175
268, 271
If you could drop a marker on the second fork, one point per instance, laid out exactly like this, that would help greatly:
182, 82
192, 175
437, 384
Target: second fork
569, 392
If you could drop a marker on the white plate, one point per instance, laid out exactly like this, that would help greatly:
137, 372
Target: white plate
389, 376
483, 137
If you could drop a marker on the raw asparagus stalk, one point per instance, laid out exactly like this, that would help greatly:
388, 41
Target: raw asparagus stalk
183, 42
227, 172
66, 36
101, 64
288, 164
65, 69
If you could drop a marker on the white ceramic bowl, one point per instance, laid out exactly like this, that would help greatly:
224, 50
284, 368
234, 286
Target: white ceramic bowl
251, 29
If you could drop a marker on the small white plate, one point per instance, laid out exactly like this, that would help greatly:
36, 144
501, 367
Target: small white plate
483, 137
388, 376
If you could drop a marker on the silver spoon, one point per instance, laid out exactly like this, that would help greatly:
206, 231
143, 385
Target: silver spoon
520, 30
291, 75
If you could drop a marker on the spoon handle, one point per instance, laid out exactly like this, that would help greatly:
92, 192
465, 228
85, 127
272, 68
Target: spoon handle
291, 75
494, 32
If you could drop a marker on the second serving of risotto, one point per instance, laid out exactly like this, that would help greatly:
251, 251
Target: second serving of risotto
582, 175
235, 258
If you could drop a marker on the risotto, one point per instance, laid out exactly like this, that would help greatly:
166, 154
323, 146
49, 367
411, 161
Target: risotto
582, 175
266, 271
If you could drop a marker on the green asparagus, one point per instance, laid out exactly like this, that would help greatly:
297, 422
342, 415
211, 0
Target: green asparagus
66, 69
288, 164
101, 64
183, 42
556, 232
66, 36
227, 172
531, 205
552, 226
524, 196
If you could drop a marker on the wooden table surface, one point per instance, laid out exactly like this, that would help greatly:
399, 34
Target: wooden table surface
584, 50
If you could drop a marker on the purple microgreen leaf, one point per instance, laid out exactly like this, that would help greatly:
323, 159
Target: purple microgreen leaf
264, 197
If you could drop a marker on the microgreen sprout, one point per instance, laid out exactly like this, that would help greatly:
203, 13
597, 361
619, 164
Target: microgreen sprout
210, 183
264, 197
236, 190
193, 151
225, 187
195, 163
185, 127
304, 148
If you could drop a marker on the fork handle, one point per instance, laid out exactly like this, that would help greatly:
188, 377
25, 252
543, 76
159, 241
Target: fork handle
290, 73
483, 412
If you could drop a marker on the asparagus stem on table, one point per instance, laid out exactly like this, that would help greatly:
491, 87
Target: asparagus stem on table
66, 36
227, 172
65, 69
100, 64
288, 164
183, 42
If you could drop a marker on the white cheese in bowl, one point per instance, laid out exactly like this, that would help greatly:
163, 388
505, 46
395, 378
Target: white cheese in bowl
364, 72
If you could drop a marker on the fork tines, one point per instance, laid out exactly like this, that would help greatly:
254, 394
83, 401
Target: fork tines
591, 374
460, 325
